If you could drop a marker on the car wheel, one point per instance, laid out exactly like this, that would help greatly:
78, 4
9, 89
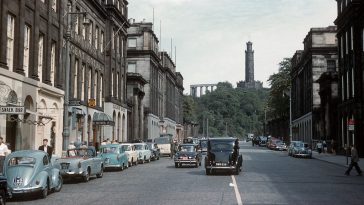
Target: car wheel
122, 167
136, 162
149, 160
196, 166
60, 184
208, 172
199, 163
2, 198
237, 171
158, 157
101, 174
86, 178
44, 193
176, 165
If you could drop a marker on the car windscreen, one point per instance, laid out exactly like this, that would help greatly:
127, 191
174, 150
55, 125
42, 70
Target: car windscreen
203, 143
221, 145
80, 152
126, 147
109, 150
186, 148
162, 140
139, 147
15, 161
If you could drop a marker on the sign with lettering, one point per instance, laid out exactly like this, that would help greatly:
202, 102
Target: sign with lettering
14, 110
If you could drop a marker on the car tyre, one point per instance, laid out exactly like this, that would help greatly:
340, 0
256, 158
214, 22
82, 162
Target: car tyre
158, 157
176, 165
101, 174
196, 166
2, 198
208, 171
86, 178
149, 160
199, 163
44, 193
60, 184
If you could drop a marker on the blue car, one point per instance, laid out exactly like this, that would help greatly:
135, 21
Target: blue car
114, 156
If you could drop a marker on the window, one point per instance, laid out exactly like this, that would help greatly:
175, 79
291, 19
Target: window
342, 88
83, 82
113, 39
132, 67
26, 50
118, 4
117, 85
112, 83
102, 42
101, 90
53, 62
342, 47
10, 42
132, 43
347, 85
96, 44
45, 161
77, 20
90, 32
84, 28
75, 79
117, 43
346, 43
351, 38
331, 65
40, 56
95, 85
54, 5
122, 47
89, 83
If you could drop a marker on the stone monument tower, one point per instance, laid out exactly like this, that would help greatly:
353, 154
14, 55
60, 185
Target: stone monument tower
249, 63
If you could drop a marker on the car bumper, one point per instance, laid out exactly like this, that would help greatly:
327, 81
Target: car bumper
72, 173
302, 154
221, 167
112, 165
189, 161
28, 190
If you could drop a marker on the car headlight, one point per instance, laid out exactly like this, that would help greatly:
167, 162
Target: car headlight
190, 157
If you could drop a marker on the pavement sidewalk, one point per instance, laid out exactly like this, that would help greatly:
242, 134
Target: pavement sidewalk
336, 159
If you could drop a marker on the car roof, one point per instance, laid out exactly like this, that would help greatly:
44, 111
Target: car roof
111, 145
28, 153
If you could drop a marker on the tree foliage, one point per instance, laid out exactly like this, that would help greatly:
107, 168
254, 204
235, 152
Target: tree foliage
229, 111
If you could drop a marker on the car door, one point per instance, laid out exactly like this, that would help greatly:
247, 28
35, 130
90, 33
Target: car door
48, 168
147, 151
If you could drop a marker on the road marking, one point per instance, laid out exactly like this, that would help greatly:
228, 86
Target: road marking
237, 193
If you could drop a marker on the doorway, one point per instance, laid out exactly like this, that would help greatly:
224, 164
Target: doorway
11, 124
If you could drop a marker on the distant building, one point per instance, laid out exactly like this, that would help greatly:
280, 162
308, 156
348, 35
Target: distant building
249, 70
320, 51
350, 35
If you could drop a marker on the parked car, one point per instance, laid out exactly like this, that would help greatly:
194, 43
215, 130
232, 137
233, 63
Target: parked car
291, 146
223, 154
281, 146
203, 145
80, 162
4, 192
131, 152
187, 154
144, 154
154, 150
302, 150
263, 141
30, 171
164, 143
272, 143
114, 156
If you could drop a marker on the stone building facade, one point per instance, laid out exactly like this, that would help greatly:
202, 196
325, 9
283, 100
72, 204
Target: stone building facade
31, 73
350, 35
320, 50
164, 86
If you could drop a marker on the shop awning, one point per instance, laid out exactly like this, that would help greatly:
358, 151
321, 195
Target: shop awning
100, 118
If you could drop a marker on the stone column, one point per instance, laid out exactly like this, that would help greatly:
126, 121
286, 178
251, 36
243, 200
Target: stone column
201, 93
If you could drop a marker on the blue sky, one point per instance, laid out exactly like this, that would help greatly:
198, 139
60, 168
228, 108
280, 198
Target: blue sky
211, 35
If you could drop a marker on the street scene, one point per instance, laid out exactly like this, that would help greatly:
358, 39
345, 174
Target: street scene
268, 177
181, 102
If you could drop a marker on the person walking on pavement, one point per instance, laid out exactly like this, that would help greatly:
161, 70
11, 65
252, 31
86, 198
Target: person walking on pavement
354, 162
319, 147
46, 148
3, 152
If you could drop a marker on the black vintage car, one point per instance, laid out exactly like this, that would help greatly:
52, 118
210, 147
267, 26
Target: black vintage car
4, 194
223, 154
187, 154
155, 150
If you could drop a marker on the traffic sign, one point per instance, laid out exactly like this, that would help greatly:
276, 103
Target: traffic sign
14, 110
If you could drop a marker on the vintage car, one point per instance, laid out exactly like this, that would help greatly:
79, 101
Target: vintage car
281, 146
80, 162
30, 171
301, 150
114, 156
223, 154
187, 154
203, 145
4, 192
155, 150
164, 143
291, 146
144, 154
131, 152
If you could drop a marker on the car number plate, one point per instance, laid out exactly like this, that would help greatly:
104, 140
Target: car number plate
184, 158
64, 166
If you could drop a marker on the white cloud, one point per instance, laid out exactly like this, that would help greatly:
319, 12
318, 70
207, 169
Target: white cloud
210, 35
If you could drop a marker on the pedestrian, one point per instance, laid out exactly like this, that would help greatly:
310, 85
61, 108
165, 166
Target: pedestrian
3, 152
71, 145
319, 147
324, 145
354, 162
46, 148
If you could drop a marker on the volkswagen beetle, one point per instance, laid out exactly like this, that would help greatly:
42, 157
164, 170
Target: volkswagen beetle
114, 156
30, 171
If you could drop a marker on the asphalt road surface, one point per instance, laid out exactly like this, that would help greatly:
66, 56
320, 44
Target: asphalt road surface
268, 177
